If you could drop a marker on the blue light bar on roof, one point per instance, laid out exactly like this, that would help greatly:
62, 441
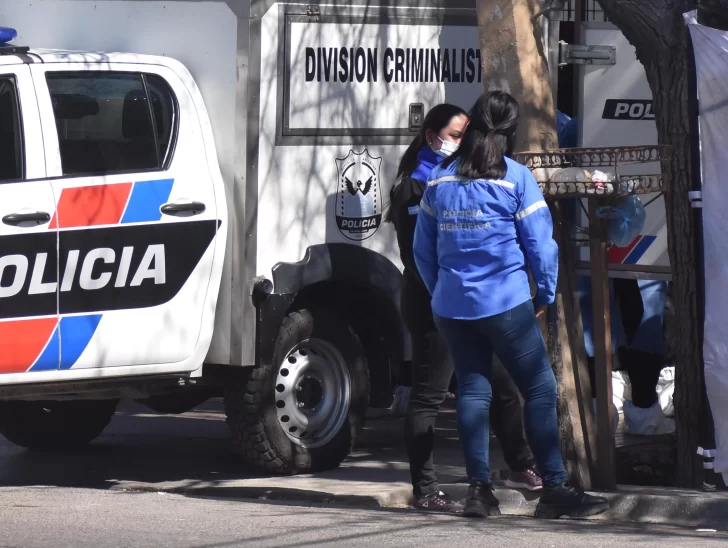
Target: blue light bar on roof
6, 35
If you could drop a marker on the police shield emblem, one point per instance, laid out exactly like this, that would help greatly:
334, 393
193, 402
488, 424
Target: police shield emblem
358, 196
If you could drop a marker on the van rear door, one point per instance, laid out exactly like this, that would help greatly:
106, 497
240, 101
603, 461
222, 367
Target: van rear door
617, 110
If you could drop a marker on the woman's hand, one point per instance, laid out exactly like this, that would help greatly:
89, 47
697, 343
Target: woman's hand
541, 311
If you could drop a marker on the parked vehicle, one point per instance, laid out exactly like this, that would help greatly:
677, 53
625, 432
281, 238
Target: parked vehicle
202, 215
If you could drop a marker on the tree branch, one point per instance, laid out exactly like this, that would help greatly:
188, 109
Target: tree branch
649, 25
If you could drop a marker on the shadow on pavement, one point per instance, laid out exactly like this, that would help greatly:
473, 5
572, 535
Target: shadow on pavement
394, 524
144, 447
138, 446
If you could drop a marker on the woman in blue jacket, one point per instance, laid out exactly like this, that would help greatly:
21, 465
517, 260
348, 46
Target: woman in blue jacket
432, 369
482, 224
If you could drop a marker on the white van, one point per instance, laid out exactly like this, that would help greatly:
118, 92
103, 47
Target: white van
204, 213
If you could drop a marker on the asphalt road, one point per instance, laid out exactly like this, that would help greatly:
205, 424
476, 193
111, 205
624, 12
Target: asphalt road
140, 446
59, 517
83, 498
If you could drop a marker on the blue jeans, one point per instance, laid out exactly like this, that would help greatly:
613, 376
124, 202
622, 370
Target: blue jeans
516, 339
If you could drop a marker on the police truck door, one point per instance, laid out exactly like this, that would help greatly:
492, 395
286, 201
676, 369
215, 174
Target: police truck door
28, 260
136, 215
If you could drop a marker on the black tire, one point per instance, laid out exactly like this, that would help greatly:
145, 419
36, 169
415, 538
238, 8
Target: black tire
251, 398
54, 424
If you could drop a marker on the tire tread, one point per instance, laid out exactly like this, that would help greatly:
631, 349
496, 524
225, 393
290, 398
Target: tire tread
246, 420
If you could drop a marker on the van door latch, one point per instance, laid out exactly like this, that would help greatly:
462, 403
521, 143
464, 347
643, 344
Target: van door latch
573, 54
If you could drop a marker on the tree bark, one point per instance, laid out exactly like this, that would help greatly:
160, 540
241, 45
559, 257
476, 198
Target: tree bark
577, 425
657, 31
514, 61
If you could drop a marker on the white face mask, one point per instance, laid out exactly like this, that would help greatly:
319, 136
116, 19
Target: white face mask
447, 148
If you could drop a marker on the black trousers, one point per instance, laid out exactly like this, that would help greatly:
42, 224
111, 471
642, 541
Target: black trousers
432, 371
643, 368
644, 373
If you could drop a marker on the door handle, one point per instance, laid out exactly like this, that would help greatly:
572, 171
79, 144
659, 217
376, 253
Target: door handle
26, 220
183, 209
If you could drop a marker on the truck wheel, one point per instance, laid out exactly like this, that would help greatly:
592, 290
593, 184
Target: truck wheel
54, 424
303, 412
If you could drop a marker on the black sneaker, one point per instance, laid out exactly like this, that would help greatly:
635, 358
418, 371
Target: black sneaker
566, 500
481, 501
438, 502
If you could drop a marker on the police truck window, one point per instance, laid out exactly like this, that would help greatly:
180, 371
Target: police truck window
103, 121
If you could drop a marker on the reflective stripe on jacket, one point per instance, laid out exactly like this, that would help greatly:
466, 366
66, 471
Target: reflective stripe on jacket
475, 239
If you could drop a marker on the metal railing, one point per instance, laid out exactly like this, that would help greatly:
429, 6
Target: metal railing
592, 11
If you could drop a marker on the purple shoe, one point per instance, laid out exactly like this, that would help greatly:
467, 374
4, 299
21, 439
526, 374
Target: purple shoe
438, 502
528, 479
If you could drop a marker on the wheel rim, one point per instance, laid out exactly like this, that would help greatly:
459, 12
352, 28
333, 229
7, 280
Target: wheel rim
312, 393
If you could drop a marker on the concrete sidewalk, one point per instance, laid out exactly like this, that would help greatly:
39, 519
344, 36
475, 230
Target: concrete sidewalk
377, 475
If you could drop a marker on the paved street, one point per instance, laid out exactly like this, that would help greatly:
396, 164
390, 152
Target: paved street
53, 517
111, 494
143, 449
138, 446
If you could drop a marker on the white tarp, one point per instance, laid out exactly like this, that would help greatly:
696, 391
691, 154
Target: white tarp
711, 60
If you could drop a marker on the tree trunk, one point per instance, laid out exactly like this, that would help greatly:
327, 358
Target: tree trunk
657, 31
577, 425
514, 61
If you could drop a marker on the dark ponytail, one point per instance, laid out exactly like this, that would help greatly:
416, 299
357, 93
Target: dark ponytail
436, 119
489, 138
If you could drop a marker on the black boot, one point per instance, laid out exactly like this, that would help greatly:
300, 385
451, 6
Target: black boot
565, 500
481, 501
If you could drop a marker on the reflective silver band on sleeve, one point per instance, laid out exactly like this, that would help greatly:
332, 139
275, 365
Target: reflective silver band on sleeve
530, 209
427, 209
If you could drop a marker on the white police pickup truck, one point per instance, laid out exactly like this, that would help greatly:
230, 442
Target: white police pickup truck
173, 232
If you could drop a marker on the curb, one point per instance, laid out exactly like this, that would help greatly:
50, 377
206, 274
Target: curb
675, 507
665, 506
393, 498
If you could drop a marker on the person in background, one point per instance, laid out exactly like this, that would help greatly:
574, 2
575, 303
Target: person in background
432, 368
637, 323
482, 223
